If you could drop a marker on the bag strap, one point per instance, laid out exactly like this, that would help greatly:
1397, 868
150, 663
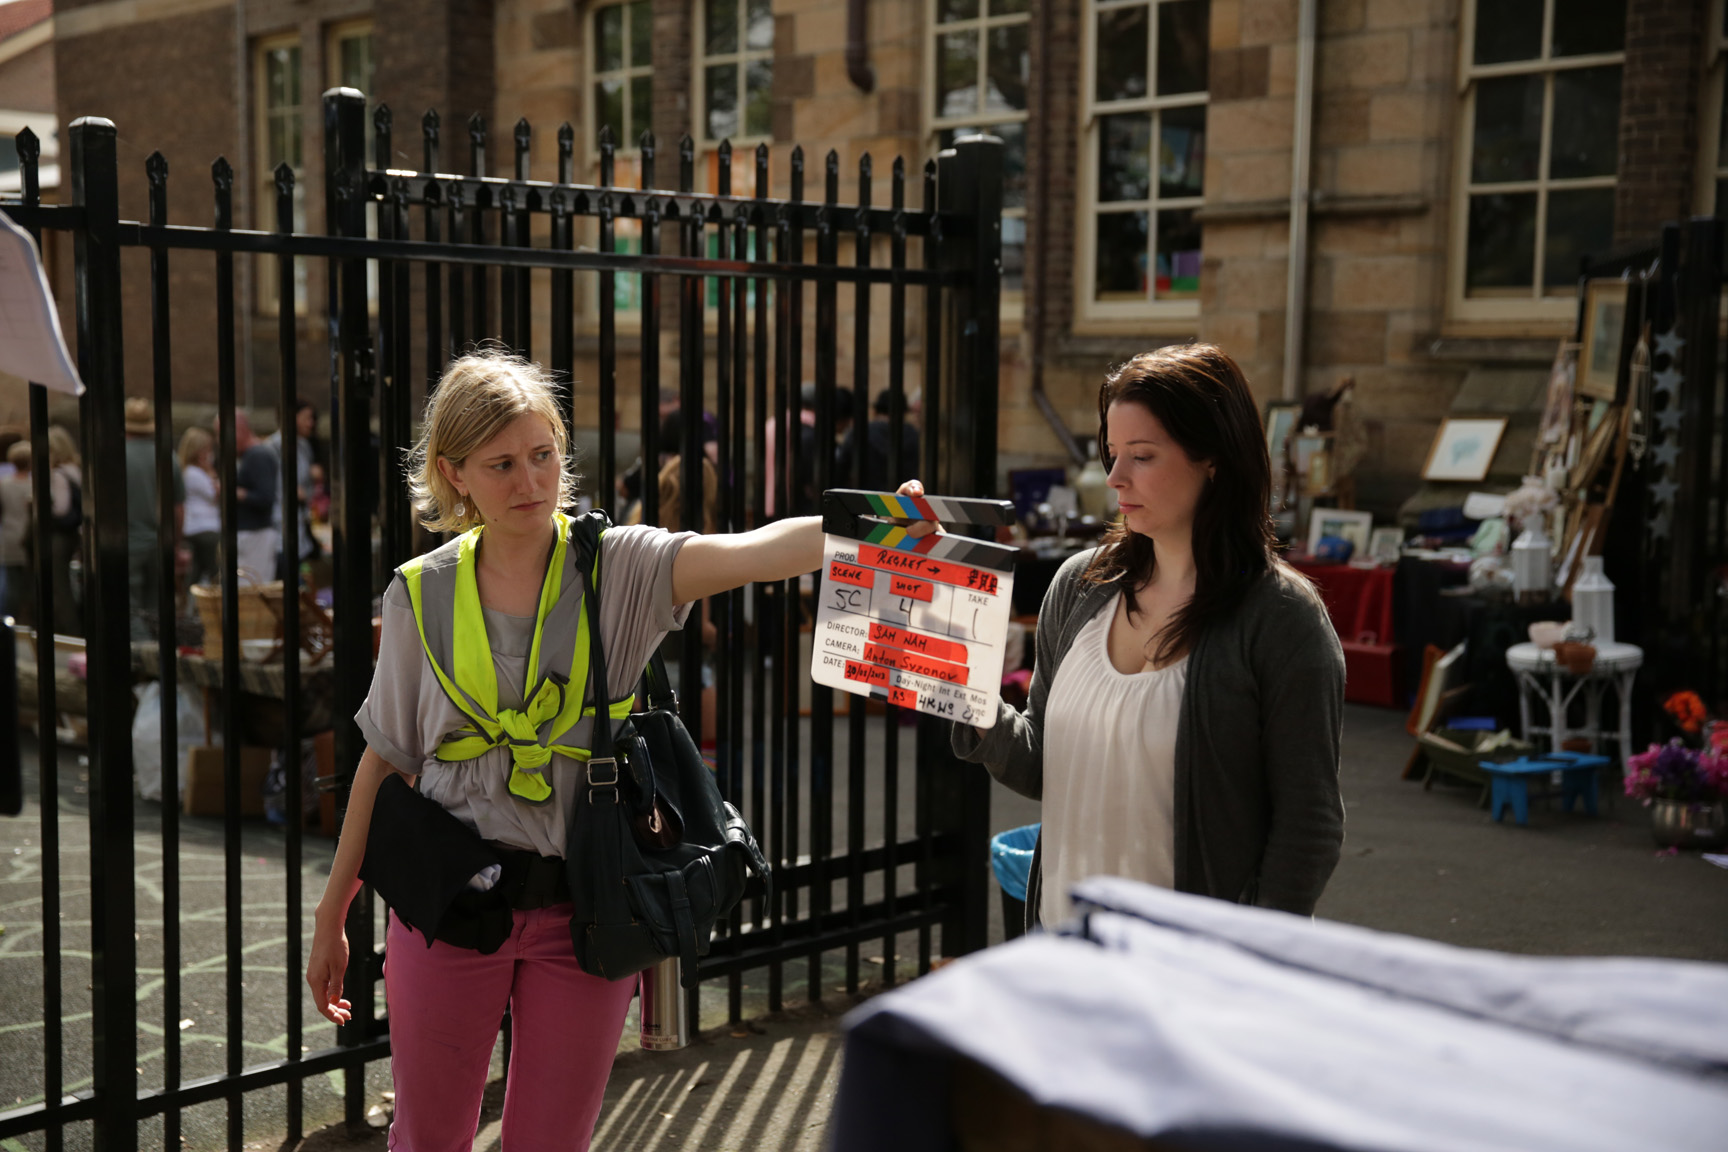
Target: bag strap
658, 683
584, 533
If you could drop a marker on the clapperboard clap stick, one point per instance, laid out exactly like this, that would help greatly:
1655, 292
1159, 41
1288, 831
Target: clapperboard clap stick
918, 622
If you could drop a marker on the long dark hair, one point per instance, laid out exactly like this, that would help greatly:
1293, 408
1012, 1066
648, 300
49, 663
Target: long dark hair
1199, 395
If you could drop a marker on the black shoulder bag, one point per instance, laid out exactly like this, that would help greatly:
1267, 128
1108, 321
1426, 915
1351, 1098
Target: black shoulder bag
654, 855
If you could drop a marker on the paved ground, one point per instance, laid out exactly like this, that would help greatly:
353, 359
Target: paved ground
1426, 863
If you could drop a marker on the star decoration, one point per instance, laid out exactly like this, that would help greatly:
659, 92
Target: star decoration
1670, 342
1669, 418
1668, 381
1663, 492
1667, 454
1659, 526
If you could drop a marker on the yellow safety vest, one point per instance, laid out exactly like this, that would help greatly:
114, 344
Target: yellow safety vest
446, 600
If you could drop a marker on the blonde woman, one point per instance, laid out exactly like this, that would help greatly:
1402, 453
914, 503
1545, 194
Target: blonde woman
203, 531
493, 464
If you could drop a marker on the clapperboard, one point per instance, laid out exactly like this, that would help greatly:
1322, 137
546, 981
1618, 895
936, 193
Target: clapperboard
920, 623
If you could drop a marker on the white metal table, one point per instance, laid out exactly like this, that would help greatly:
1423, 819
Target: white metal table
1540, 674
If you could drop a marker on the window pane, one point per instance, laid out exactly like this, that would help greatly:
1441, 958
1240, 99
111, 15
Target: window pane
1508, 30
1586, 123
1122, 43
1124, 165
609, 38
1508, 129
1007, 67
1121, 250
1183, 45
759, 30
759, 98
1009, 7
956, 73
1013, 253
609, 109
1181, 151
1580, 224
641, 34
947, 10
721, 26
641, 106
1178, 255
1585, 26
356, 53
1501, 257
721, 93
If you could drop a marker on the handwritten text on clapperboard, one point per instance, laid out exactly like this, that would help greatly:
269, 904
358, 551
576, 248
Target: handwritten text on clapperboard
917, 631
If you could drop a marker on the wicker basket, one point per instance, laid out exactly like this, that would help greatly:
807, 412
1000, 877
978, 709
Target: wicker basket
260, 614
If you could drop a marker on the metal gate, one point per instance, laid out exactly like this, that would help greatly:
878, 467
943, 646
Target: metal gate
421, 265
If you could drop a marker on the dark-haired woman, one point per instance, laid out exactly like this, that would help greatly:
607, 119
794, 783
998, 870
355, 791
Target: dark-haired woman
1183, 721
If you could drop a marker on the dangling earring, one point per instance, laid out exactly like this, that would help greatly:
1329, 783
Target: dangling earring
461, 510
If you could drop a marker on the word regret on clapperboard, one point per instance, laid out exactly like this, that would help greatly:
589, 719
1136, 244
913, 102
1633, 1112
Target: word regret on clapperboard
921, 623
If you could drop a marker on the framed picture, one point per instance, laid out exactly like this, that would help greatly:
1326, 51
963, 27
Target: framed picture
1280, 424
1463, 449
1385, 544
1604, 332
1352, 526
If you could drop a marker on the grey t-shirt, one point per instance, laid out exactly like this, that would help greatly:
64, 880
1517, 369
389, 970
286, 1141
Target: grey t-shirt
407, 715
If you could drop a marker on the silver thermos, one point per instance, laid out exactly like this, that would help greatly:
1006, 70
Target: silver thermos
665, 1009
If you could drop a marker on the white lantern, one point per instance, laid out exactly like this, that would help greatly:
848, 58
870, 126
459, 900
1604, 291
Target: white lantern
1531, 562
1593, 601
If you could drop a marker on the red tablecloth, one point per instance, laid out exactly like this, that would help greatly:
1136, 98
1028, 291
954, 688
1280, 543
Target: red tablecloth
1359, 600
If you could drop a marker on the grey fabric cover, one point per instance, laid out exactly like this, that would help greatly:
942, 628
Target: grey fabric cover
1229, 1027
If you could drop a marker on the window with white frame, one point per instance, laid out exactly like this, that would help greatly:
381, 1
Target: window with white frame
1144, 100
623, 71
280, 139
348, 60
621, 63
1540, 148
981, 69
736, 70
348, 64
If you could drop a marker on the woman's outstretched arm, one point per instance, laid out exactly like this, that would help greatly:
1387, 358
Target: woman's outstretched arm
709, 565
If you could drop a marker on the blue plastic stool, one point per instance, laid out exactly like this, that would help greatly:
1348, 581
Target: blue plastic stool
1509, 782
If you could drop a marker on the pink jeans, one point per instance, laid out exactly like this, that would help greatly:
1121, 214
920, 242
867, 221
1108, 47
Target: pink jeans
446, 1004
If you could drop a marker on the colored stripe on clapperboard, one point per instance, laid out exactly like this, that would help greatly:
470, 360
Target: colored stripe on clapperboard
954, 509
956, 549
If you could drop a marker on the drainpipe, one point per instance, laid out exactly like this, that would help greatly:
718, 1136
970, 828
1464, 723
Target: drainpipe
858, 68
1296, 287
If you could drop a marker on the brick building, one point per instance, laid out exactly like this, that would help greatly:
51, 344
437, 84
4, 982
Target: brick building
1463, 157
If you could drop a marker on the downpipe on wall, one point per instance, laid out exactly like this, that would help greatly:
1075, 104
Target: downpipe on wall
1302, 154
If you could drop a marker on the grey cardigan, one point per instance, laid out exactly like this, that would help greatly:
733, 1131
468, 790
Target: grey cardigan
1258, 815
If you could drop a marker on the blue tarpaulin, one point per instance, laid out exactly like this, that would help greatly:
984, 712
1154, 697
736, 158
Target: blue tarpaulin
1011, 858
1221, 1026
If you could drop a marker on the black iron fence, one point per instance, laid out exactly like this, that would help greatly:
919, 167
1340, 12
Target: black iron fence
456, 259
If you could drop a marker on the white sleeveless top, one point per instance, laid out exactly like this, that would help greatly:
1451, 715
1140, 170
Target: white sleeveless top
1109, 770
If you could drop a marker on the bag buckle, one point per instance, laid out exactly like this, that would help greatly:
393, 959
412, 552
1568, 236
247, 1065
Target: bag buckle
603, 783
